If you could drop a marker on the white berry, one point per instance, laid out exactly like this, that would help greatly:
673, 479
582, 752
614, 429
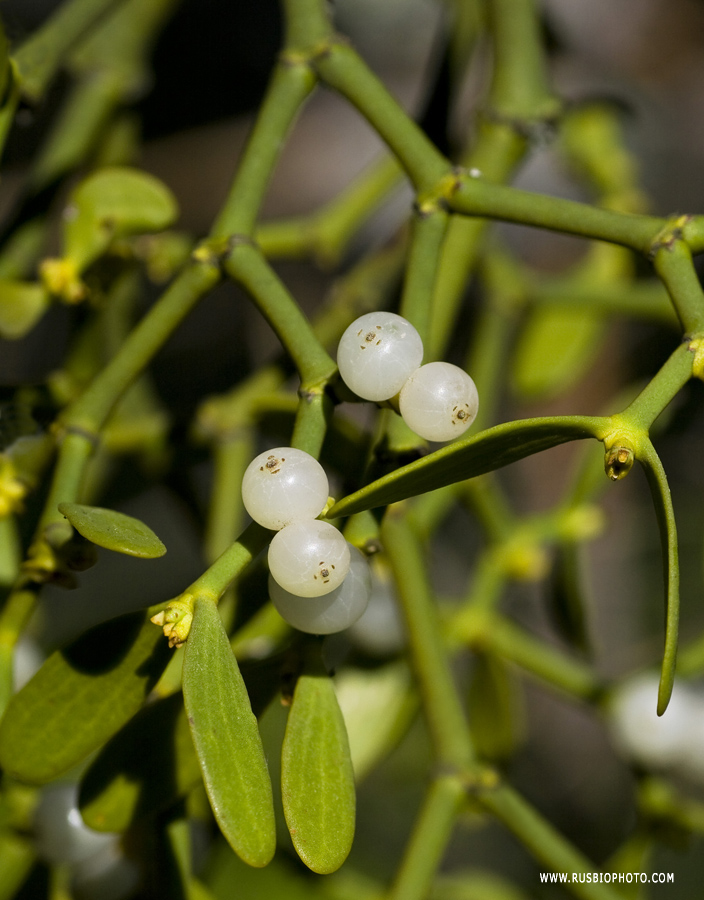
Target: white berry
439, 401
282, 486
660, 742
332, 612
309, 558
377, 353
61, 836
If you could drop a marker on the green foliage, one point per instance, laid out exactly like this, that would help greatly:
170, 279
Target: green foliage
226, 739
317, 782
80, 697
113, 530
159, 740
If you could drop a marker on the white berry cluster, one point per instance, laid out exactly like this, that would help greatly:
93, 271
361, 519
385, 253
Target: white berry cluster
381, 353
318, 581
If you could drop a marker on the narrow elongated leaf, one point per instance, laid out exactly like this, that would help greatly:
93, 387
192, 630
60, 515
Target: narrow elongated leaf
144, 768
491, 449
80, 697
113, 530
662, 499
317, 781
227, 740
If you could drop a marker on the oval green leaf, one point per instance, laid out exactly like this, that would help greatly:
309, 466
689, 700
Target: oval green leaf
143, 769
227, 740
491, 449
660, 491
80, 697
317, 780
111, 203
113, 530
22, 304
555, 349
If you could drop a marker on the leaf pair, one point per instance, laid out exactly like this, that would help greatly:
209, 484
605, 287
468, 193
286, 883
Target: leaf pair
317, 778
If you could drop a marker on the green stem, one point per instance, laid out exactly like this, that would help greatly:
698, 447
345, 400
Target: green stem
441, 702
312, 419
92, 408
547, 663
326, 234
75, 451
519, 86
341, 68
14, 617
431, 833
427, 237
291, 83
546, 844
641, 299
496, 154
226, 512
246, 264
673, 263
219, 576
307, 23
487, 357
476, 197
660, 390
82, 120
39, 58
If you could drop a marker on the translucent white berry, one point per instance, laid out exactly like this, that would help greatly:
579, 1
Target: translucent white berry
282, 486
332, 612
309, 558
439, 401
659, 742
377, 353
61, 836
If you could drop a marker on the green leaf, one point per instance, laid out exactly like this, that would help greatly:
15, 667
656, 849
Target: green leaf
111, 203
22, 304
143, 769
151, 762
494, 708
226, 739
113, 530
554, 351
317, 780
491, 449
660, 491
80, 697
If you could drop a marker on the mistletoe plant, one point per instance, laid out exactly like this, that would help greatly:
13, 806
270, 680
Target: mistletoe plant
147, 714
